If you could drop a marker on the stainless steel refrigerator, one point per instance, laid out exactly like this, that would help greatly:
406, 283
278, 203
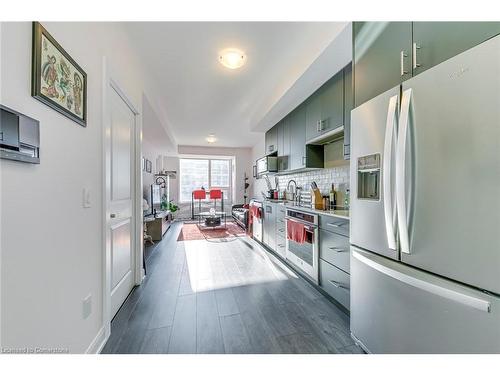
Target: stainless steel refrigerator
425, 211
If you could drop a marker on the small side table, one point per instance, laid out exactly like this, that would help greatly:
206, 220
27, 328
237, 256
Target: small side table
146, 220
203, 216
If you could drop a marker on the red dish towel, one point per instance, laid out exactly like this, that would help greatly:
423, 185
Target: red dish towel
255, 211
295, 231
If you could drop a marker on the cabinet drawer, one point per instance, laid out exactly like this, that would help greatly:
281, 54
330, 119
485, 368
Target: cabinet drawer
280, 213
280, 246
334, 224
280, 229
334, 248
335, 282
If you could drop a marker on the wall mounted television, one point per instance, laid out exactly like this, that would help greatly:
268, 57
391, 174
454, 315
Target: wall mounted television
19, 136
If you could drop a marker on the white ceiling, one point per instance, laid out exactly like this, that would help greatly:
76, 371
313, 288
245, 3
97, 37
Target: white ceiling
202, 97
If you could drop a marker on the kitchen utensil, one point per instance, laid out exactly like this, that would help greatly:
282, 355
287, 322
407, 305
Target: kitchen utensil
268, 182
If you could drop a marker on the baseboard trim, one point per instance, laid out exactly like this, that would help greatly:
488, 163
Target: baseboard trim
97, 343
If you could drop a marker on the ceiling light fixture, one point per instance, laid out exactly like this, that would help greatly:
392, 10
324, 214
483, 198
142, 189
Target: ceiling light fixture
232, 58
211, 138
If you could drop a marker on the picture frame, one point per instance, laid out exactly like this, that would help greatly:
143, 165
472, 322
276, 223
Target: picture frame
149, 166
56, 79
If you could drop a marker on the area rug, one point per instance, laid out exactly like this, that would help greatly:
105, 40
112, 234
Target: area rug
191, 232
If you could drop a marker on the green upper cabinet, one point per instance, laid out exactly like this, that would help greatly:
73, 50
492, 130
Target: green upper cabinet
279, 137
283, 133
387, 53
302, 155
435, 42
348, 105
332, 103
325, 108
272, 140
297, 137
313, 114
382, 57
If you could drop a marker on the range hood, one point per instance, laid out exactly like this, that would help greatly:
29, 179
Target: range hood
328, 137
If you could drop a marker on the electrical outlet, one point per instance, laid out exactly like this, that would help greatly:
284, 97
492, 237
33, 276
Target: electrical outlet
87, 306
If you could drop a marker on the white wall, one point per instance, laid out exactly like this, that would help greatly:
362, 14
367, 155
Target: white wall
257, 185
51, 247
155, 143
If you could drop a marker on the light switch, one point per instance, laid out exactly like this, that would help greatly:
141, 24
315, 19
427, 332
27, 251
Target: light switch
86, 198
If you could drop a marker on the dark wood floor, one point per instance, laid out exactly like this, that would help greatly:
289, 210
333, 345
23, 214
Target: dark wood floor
225, 297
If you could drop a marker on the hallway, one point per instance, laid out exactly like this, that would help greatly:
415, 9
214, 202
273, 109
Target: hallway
225, 297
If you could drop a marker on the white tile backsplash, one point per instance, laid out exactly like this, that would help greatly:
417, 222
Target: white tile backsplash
323, 177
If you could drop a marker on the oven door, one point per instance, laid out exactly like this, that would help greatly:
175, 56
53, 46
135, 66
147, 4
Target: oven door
305, 256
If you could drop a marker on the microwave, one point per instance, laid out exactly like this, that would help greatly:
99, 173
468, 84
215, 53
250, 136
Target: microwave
267, 164
19, 136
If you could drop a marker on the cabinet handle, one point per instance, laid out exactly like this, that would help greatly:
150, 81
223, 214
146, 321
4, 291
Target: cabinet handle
337, 284
415, 48
402, 62
317, 126
335, 225
112, 216
338, 249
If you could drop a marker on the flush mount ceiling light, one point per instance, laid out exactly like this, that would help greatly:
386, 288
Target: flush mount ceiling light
232, 58
211, 138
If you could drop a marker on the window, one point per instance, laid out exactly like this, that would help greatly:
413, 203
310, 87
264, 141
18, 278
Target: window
207, 173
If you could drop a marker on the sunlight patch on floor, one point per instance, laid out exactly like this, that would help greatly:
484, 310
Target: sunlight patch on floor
212, 265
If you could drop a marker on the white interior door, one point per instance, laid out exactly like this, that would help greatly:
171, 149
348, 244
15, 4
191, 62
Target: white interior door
120, 225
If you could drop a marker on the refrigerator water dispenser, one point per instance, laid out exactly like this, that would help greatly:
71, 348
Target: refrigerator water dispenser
369, 177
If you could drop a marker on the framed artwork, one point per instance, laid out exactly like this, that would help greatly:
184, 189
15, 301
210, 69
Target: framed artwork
56, 79
149, 166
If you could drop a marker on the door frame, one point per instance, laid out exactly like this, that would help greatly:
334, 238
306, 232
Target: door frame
109, 83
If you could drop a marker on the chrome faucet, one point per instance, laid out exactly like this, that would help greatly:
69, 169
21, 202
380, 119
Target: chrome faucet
296, 193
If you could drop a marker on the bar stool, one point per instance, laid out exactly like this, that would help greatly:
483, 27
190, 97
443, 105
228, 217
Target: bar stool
217, 194
197, 195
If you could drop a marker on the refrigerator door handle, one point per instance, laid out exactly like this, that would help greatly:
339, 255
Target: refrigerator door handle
459, 297
402, 212
389, 212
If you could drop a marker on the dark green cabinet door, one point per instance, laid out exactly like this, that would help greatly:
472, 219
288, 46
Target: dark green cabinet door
272, 140
348, 99
382, 57
332, 103
297, 137
283, 144
313, 114
279, 137
435, 42
286, 136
